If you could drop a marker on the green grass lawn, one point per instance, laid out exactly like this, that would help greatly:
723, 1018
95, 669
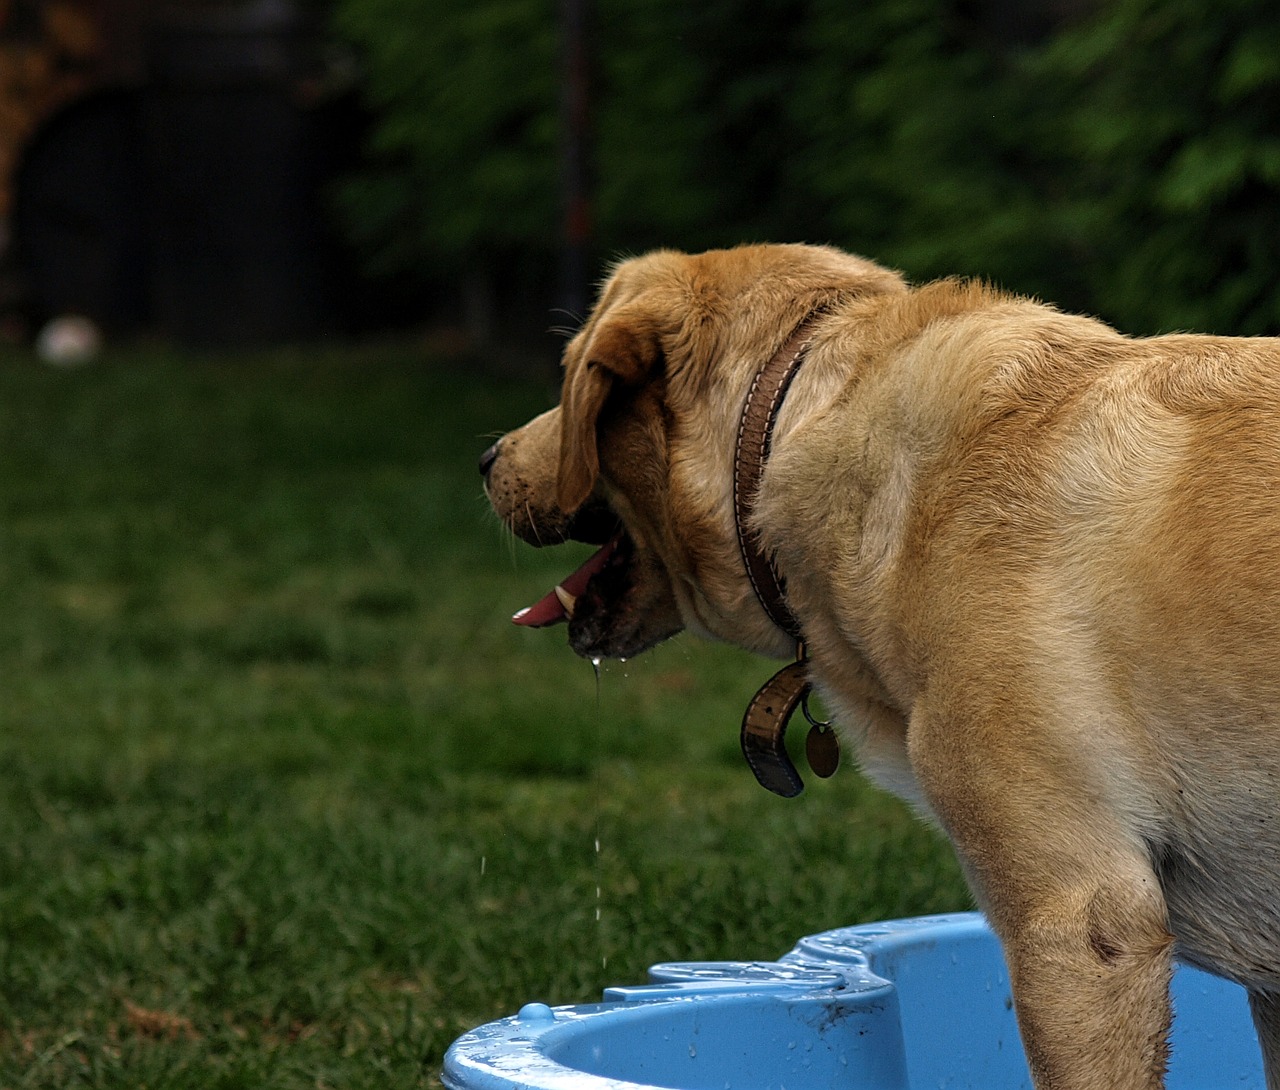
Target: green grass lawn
286, 801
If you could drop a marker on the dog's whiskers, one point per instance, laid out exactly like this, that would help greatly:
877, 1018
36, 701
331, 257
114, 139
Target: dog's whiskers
566, 331
533, 526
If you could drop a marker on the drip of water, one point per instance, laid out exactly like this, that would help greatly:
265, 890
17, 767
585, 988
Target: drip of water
599, 791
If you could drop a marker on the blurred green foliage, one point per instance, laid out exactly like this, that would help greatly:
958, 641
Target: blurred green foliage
1127, 163
463, 159
1167, 136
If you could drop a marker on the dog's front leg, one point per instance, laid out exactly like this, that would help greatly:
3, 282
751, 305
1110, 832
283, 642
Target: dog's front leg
1090, 965
1266, 1019
1071, 894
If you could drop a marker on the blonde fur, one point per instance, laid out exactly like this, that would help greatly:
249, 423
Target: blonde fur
1037, 564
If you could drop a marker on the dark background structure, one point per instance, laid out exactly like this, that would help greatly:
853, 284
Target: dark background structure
166, 167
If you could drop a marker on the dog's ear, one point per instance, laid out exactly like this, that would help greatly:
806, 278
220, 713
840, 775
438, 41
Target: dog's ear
622, 350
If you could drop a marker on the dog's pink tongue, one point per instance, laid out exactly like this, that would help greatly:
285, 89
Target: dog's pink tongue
550, 609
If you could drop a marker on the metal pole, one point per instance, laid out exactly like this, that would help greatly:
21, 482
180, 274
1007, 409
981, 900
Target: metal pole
575, 116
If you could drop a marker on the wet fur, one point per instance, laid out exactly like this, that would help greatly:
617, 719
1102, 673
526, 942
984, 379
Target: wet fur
1037, 564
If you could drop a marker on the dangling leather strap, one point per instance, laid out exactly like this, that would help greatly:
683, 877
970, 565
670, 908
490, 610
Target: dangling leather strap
764, 730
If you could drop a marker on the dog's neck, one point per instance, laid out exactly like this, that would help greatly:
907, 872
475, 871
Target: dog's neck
755, 433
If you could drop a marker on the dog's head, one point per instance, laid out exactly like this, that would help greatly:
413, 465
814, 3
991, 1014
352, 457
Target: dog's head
638, 456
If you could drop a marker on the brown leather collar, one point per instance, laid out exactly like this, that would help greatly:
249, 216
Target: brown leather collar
755, 435
764, 726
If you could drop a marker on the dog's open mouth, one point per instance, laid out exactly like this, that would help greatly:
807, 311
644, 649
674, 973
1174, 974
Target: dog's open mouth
559, 604
595, 525
619, 602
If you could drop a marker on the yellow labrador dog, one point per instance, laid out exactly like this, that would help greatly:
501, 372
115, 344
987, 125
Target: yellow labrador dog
1035, 565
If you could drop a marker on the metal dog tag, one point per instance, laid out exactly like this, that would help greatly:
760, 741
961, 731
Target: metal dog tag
822, 747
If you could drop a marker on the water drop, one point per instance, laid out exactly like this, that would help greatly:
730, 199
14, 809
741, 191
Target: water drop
483, 861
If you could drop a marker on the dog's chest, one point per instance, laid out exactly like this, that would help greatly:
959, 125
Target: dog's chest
1223, 907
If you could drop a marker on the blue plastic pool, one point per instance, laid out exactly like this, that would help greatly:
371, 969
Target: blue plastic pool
921, 1004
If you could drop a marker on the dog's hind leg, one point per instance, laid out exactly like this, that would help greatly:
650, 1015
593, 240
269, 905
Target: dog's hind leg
1266, 1019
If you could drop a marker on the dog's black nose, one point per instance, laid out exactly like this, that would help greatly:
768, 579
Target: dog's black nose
487, 459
